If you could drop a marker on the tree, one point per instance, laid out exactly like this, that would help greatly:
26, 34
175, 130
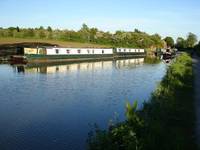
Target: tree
157, 40
41, 28
181, 43
191, 40
93, 32
137, 31
17, 28
197, 48
170, 41
134, 39
85, 33
28, 32
11, 28
49, 29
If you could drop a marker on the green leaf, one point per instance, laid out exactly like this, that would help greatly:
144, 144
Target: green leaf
135, 105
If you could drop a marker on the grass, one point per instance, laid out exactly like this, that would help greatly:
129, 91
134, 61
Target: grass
166, 121
10, 41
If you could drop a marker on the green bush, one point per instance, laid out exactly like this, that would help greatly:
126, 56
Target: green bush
122, 136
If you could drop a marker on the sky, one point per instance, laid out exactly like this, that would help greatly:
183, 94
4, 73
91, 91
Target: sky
168, 18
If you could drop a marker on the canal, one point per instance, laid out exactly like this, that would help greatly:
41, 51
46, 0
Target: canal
56, 106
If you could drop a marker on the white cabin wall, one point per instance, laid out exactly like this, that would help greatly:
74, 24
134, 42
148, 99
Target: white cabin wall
50, 51
74, 51
130, 50
90, 51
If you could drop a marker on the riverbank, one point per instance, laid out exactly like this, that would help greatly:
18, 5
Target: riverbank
166, 122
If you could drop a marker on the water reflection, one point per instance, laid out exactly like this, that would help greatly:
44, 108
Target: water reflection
85, 66
129, 63
54, 106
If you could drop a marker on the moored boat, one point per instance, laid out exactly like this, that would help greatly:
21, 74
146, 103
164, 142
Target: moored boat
59, 54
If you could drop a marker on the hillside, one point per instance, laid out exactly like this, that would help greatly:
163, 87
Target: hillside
8, 45
19, 41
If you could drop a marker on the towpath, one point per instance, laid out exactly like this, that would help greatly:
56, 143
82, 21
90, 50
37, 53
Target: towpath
196, 68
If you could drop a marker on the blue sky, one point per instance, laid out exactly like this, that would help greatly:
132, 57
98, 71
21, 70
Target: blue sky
171, 17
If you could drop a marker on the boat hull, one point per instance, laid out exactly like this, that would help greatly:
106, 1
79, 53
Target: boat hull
39, 58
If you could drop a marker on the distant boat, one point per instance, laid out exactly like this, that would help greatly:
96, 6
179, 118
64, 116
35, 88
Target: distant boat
167, 54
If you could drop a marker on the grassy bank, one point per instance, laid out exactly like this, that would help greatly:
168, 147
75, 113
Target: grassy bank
10, 41
166, 122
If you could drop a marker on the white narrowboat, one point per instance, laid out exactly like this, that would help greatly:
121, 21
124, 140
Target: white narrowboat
47, 54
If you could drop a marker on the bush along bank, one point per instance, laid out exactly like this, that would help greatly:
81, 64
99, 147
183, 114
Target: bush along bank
165, 122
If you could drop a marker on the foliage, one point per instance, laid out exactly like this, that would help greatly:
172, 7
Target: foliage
191, 40
181, 43
169, 114
188, 43
136, 38
197, 48
165, 122
124, 136
169, 41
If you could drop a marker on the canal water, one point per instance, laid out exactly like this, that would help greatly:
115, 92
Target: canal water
56, 106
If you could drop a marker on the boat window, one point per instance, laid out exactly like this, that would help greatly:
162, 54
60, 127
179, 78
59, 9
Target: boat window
138, 50
124, 50
129, 50
102, 51
88, 51
93, 51
68, 51
57, 51
119, 50
79, 51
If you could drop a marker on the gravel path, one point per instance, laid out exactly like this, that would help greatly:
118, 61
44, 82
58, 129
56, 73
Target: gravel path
196, 67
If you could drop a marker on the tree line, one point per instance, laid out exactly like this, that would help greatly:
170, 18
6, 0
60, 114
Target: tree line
135, 39
182, 43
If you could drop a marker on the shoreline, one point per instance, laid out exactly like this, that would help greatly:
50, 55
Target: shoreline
167, 121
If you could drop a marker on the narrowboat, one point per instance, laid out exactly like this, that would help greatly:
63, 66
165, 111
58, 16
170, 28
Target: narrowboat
60, 54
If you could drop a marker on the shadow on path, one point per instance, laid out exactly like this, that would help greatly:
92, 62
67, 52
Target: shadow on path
196, 68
